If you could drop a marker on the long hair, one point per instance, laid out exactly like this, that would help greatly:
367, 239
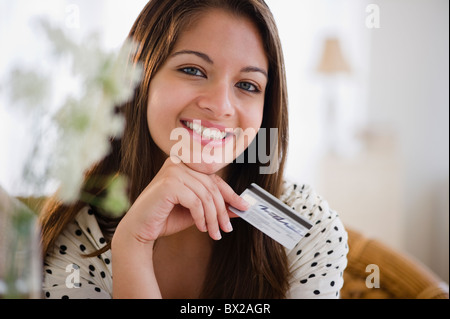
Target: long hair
256, 264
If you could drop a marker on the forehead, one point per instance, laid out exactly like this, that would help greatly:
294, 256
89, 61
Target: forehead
224, 37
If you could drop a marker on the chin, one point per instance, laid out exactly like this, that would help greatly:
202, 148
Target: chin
208, 169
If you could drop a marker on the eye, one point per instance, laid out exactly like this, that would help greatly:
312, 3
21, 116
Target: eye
192, 71
246, 86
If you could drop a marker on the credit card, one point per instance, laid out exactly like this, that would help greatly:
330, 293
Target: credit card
273, 217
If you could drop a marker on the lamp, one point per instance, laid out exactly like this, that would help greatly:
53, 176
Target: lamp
332, 63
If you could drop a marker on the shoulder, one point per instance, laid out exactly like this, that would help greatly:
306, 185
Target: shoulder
319, 259
68, 273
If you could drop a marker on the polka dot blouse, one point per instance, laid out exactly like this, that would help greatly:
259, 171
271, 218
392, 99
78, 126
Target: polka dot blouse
317, 262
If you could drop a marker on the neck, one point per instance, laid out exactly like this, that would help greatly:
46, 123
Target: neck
175, 256
189, 242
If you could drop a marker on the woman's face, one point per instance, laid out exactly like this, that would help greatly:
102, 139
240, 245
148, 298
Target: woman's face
206, 102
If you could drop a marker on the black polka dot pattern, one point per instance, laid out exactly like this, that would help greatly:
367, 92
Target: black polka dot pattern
317, 262
321, 254
68, 274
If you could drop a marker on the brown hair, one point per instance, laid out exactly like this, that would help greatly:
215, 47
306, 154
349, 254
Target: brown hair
256, 263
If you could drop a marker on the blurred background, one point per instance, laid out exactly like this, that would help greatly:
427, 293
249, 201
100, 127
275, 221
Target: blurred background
369, 105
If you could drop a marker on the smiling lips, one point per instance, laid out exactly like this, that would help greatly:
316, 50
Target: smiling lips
207, 134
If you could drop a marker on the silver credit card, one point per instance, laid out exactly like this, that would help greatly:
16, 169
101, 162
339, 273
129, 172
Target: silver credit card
273, 217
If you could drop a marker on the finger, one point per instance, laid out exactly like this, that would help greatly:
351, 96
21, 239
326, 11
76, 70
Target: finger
189, 199
208, 201
223, 217
221, 207
232, 215
229, 195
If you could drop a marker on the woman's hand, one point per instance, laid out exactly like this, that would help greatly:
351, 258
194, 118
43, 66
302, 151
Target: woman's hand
177, 198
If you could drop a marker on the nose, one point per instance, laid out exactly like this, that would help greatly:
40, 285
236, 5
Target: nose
217, 99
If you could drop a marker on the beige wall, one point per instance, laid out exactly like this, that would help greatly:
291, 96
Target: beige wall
397, 188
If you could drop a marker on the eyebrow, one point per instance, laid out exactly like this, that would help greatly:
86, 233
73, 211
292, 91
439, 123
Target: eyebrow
255, 69
210, 61
199, 54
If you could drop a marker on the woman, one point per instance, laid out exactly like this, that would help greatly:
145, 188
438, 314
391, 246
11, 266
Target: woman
213, 69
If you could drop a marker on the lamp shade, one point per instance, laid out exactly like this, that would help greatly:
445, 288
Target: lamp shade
332, 60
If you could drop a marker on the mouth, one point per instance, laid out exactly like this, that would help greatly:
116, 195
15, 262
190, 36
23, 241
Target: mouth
206, 133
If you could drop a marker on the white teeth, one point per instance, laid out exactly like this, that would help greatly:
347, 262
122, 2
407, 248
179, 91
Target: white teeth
196, 127
206, 132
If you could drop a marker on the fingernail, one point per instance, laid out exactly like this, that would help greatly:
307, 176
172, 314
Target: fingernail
246, 204
218, 235
229, 227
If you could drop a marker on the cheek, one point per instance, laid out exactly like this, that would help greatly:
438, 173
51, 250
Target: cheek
253, 118
167, 98
158, 110
153, 110
161, 104
250, 125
